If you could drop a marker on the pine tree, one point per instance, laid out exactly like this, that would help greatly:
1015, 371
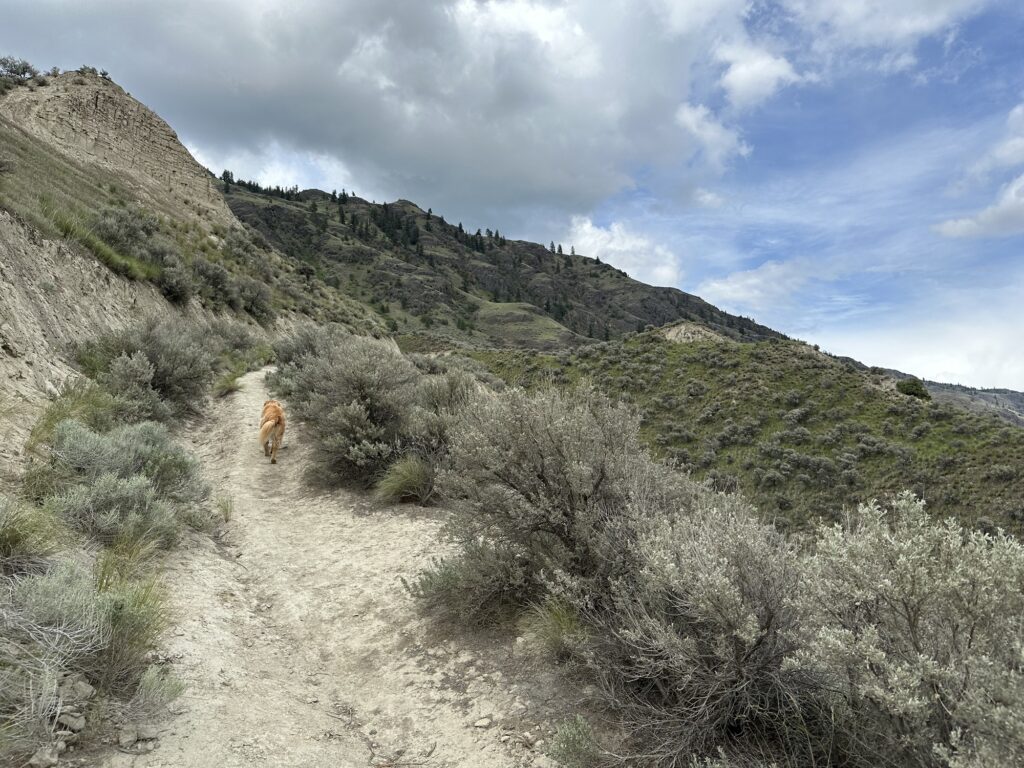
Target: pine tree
559, 249
572, 250
552, 246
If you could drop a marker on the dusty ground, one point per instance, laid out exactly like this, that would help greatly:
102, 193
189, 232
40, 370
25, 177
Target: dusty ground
300, 646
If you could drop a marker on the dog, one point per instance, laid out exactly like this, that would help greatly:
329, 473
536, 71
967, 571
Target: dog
272, 424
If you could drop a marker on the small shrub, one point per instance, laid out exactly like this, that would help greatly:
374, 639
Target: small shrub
913, 388
139, 449
481, 585
357, 400
28, 535
574, 745
111, 508
410, 478
175, 282
130, 379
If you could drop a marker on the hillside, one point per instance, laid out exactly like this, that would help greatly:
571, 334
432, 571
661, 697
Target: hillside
428, 276
105, 217
801, 434
441, 570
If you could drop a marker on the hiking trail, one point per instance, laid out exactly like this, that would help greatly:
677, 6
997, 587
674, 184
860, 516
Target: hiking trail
299, 645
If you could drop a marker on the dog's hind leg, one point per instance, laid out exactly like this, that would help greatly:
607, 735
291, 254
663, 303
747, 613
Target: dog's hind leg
273, 450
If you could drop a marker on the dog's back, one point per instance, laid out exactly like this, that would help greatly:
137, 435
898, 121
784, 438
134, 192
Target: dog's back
272, 424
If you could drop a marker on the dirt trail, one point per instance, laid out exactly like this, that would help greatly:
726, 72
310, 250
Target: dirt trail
299, 645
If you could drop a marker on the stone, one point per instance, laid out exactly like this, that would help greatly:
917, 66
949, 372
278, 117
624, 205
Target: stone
74, 688
483, 722
72, 721
127, 736
45, 757
148, 731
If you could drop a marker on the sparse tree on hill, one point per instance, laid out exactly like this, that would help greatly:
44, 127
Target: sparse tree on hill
17, 70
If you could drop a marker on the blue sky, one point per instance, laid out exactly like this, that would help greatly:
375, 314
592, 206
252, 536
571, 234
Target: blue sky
851, 173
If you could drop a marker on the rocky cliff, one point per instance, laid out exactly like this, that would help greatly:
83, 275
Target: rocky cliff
94, 121
52, 297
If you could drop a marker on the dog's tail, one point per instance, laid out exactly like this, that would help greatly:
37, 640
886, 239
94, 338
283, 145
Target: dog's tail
266, 429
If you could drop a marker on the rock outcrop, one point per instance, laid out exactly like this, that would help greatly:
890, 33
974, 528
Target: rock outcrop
53, 296
94, 121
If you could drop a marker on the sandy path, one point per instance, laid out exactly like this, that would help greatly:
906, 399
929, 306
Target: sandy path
299, 645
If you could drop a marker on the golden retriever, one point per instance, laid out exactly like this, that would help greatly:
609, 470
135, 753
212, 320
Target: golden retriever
272, 429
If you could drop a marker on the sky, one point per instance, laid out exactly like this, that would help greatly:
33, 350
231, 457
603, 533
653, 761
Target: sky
848, 172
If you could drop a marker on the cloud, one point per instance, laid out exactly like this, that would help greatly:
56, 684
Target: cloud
769, 286
715, 143
1008, 152
963, 339
753, 74
633, 253
1004, 217
685, 17
880, 23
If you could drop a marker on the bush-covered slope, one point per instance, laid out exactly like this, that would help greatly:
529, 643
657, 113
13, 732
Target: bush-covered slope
427, 275
801, 434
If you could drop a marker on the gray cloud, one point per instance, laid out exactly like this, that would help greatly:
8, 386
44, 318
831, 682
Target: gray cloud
504, 110
467, 106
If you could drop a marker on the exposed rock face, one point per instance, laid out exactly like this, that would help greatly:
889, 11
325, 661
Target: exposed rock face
92, 120
51, 296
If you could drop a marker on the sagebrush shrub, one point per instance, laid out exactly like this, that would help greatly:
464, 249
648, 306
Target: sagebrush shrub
105, 630
182, 354
357, 398
111, 508
693, 648
918, 626
137, 449
548, 476
130, 379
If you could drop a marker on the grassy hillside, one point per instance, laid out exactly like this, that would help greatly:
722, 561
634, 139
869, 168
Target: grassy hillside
425, 275
801, 434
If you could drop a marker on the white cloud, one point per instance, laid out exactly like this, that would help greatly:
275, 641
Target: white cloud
707, 198
1004, 217
637, 255
973, 345
767, 287
569, 51
1009, 151
685, 17
753, 74
894, 62
880, 23
715, 143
